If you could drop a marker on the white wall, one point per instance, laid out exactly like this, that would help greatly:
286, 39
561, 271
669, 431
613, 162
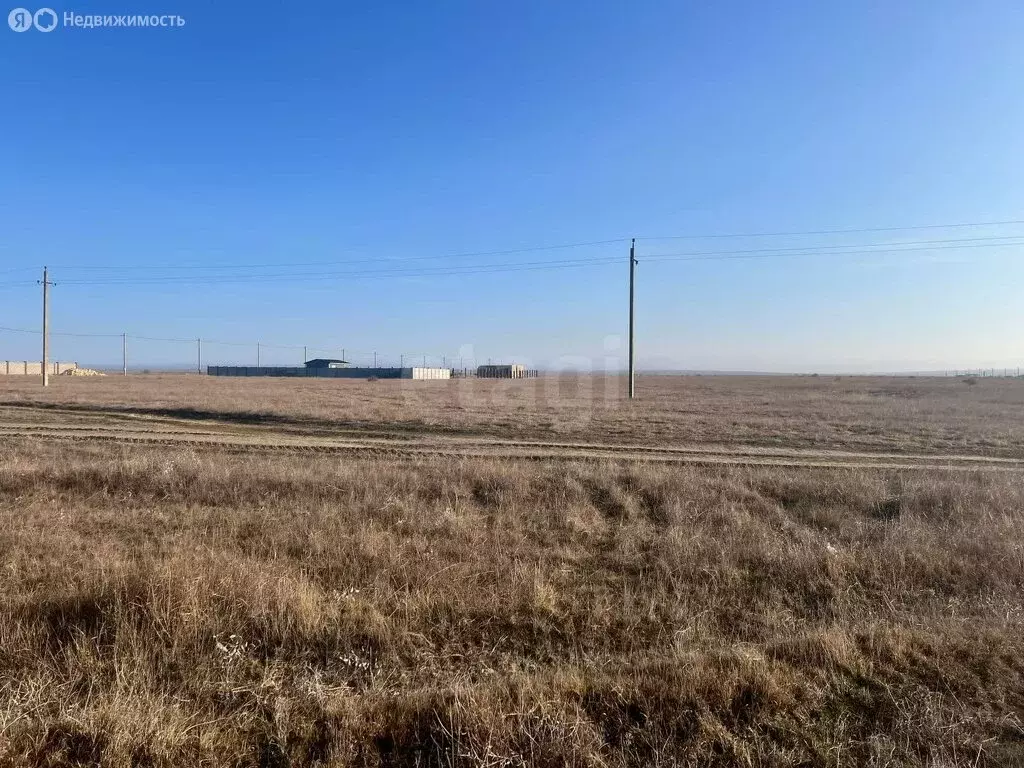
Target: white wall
426, 373
32, 367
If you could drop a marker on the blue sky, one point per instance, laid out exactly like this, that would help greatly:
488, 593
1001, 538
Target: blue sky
378, 134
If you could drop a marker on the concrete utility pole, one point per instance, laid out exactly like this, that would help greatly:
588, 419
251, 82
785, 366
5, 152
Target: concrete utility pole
199, 355
257, 354
124, 354
632, 271
375, 359
305, 356
46, 328
401, 361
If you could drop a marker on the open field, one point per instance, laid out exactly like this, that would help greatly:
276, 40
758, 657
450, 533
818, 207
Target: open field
939, 415
729, 571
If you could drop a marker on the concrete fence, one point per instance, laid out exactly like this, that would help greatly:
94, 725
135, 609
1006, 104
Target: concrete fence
331, 373
426, 373
33, 368
514, 371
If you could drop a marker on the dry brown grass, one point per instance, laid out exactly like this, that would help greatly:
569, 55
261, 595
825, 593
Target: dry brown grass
862, 413
199, 607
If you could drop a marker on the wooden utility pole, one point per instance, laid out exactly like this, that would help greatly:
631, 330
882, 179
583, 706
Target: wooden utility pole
124, 354
632, 271
46, 328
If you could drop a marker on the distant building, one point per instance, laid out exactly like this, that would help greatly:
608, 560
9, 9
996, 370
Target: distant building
321, 362
330, 369
502, 372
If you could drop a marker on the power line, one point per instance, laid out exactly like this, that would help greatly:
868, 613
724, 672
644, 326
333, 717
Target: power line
534, 249
469, 269
358, 274
451, 271
76, 335
810, 251
838, 231
168, 340
530, 249
468, 254
992, 239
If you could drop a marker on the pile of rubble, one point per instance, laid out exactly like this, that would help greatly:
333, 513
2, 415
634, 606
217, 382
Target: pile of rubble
82, 372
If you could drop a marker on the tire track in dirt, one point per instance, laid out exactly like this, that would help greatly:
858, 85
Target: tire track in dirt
124, 423
235, 439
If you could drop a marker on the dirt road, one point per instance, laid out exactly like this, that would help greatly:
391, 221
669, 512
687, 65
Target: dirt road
57, 424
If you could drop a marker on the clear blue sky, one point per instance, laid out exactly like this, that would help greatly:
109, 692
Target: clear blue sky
378, 132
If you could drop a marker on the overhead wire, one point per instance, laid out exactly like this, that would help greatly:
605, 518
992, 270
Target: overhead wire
385, 269
377, 273
860, 230
65, 333
784, 252
842, 249
532, 249
451, 271
467, 254
384, 357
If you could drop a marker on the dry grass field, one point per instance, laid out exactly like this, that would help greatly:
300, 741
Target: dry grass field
230, 572
855, 413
